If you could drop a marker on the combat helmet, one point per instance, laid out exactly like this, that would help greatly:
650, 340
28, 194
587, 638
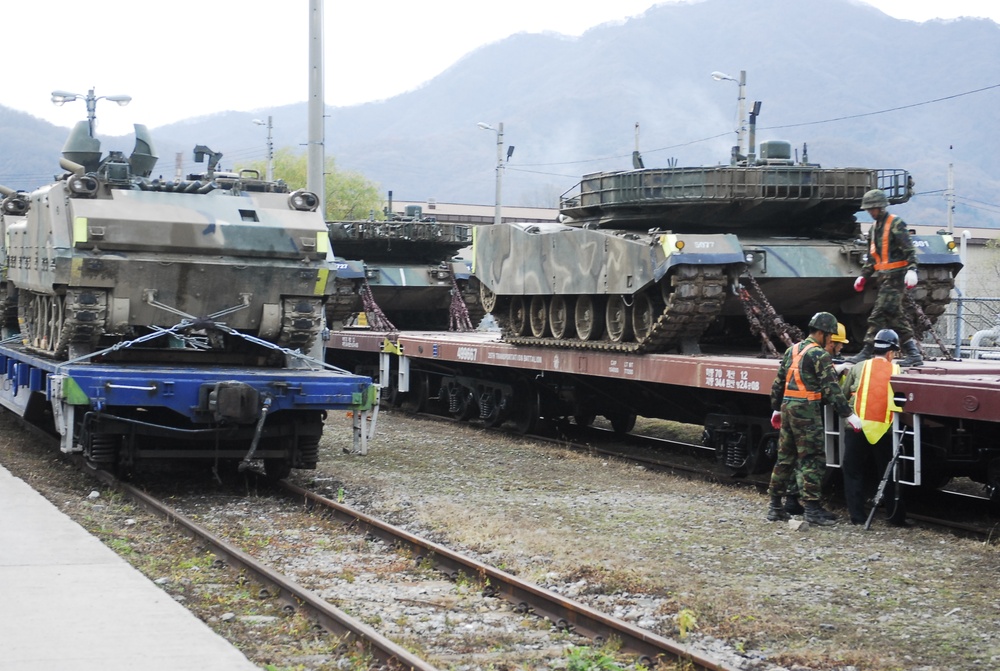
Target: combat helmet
886, 339
874, 198
823, 321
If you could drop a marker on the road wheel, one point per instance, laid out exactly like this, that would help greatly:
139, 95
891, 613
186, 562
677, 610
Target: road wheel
559, 313
643, 316
618, 319
539, 317
518, 316
587, 318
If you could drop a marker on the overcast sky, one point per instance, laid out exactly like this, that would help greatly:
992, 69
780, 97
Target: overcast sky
189, 58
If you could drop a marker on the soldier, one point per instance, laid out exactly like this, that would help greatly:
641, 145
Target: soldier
837, 342
892, 260
805, 380
868, 388
833, 346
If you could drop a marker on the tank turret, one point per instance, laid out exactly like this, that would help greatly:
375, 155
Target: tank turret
407, 266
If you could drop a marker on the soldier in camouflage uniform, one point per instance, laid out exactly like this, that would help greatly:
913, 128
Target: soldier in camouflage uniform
804, 381
833, 347
892, 260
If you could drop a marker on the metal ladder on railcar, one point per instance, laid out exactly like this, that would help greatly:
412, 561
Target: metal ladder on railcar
905, 439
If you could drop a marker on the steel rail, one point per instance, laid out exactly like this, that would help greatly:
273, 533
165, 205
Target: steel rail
328, 616
564, 613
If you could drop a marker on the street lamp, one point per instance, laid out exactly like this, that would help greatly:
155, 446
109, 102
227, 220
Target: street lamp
270, 147
499, 131
741, 124
60, 98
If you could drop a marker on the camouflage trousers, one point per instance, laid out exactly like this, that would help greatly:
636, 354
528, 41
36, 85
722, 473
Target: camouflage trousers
801, 454
888, 311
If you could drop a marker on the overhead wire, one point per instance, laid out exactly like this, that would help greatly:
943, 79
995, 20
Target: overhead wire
794, 125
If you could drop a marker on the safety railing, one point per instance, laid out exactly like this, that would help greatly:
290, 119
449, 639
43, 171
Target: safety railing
971, 326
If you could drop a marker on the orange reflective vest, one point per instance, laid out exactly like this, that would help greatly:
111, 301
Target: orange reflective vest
873, 402
882, 262
795, 375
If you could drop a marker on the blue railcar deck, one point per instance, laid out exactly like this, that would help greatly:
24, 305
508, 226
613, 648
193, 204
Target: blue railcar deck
189, 396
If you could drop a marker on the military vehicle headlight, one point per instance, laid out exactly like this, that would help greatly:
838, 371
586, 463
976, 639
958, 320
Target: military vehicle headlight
952, 245
82, 185
302, 200
679, 245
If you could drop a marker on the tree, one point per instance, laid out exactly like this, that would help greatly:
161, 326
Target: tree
349, 194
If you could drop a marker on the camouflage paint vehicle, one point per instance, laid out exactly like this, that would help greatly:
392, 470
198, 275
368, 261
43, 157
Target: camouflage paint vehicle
106, 254
411, 264
645, 257
12, 210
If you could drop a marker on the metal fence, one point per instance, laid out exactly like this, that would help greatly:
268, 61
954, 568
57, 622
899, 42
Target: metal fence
970, 327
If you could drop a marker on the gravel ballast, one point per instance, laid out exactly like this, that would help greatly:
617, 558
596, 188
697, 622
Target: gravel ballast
679, 557
814, 597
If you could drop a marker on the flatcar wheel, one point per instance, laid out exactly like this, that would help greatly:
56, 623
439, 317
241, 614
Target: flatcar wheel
587, 318
461, 404
559, 317
527, 410
417, 398
539, 316
276, 469
496, 412
487, 298
518, 316
618, 319
643, 317
584, 418
622, 421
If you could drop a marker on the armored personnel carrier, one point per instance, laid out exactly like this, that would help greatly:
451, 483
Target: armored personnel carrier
660, 259
105, 254
409, 265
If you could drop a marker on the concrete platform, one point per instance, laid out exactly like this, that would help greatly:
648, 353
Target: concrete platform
69, 602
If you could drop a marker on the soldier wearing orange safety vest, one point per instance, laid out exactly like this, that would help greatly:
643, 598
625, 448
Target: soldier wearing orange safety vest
805, 380
868, 452
892, 260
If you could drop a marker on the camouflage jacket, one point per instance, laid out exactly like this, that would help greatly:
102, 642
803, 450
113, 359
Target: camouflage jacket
900, 246
817, 374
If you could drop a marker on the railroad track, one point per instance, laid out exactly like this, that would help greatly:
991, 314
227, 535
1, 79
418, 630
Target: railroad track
974, 516
566, 616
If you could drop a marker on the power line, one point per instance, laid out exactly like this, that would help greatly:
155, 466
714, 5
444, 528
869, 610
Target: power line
794, 125
885, 111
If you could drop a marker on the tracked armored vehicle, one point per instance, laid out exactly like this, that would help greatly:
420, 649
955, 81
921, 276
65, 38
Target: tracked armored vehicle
410, 265
105, 255
661, 259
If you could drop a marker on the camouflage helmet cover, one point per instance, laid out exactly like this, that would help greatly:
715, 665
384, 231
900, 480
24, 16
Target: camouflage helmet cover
823, 321
874, 198
841, 334
886, 339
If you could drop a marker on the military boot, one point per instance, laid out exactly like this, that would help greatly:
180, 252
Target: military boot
816, 515
775, 511
913, 357
792, 505
867, 352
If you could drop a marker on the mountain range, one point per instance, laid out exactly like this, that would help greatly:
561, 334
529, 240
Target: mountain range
855, 86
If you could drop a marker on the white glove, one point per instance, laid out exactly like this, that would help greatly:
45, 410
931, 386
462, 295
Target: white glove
910, 279
855, 422
776, 420
839, 368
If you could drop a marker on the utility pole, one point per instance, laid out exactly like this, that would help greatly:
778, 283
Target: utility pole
315, 157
